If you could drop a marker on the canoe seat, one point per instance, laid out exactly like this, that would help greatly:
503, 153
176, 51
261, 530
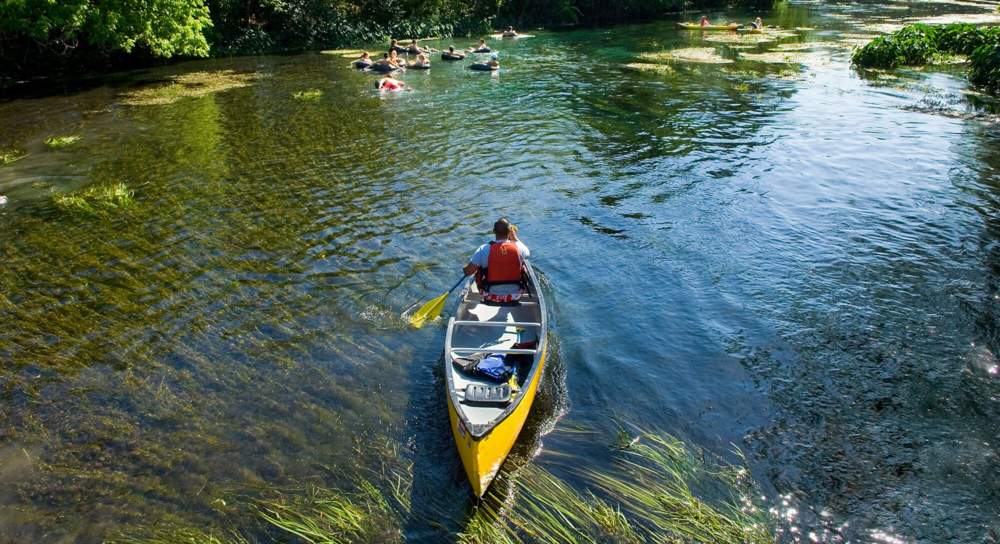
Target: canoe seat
496, 395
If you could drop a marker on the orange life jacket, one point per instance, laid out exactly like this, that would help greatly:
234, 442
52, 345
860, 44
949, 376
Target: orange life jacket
504, 265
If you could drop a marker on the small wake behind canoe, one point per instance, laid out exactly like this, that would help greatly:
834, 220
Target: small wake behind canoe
494, 358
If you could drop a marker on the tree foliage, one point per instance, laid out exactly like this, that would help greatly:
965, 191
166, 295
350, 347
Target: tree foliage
165, 28
41, 35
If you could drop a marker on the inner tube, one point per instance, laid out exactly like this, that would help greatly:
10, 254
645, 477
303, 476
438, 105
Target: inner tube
452, 56
420, 66
362, 64
483, 67
383, 68
397, 49
415, 51
483, 50
511, 35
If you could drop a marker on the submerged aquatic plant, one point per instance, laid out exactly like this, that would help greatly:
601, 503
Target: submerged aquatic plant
56, 142
330, 516
310, 94
706, 55
650, 67
649, 496
192, 84
95, 200
8, 156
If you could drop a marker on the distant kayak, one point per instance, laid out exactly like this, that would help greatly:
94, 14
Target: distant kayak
696, 26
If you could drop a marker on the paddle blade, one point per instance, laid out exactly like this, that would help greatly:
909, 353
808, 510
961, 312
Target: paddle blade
428, 312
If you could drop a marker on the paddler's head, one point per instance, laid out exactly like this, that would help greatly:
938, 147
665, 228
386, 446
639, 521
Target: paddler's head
502, 228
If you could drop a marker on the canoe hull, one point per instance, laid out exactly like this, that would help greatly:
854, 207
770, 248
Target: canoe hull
483, 457
696, 26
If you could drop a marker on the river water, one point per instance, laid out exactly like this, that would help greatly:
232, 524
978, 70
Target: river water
792, 258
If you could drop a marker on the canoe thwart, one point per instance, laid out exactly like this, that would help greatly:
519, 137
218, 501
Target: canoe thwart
499, 323
512, 351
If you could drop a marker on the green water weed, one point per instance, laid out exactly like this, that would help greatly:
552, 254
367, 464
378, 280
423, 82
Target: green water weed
308, 95
95, 200
10, 155
59, 142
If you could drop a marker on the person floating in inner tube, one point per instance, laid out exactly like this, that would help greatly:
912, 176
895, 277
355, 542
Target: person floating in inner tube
510, 32
389, 83
394, 46
387, 62
704, 21
494, 62
421, 62
499, 265
364, 60
482, 47
451, 54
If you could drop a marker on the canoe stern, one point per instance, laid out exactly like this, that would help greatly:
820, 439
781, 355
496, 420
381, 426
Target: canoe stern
482, 457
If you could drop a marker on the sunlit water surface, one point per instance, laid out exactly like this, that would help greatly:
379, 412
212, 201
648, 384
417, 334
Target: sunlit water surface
789, 258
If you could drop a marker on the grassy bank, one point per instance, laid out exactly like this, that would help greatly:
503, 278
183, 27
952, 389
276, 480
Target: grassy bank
919, 44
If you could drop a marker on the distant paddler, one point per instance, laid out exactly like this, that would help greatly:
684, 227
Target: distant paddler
704, 22
498, 265
509, 33
757, 24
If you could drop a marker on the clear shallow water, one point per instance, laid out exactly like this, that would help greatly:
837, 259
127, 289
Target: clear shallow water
791, 259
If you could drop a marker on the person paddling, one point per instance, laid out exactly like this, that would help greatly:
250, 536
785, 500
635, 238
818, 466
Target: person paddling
510, 32
758, 24
704, 21
499, 265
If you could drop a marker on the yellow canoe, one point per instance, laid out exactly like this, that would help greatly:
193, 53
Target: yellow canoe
696, 26
486, 416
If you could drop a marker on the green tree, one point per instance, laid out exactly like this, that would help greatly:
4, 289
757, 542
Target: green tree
163, 28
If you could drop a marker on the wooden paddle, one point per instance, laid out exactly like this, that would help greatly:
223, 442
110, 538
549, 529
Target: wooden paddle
432, 308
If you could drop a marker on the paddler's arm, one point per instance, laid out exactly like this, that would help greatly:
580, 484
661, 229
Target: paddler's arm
470, 269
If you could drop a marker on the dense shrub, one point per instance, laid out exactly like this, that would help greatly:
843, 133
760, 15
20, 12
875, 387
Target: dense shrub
910, 46
920, 44
984, 71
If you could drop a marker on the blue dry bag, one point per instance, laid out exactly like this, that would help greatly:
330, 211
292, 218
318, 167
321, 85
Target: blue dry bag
495, 368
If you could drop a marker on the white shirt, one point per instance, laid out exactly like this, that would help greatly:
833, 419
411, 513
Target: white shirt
481, 258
